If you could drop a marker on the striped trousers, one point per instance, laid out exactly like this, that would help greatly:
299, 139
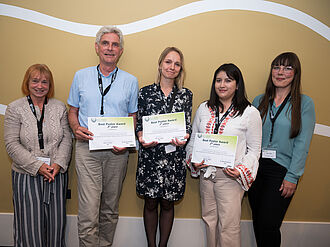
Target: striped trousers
39, 210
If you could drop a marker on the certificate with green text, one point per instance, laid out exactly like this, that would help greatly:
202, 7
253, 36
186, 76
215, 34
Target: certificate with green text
164, 127
215, 150
111, 131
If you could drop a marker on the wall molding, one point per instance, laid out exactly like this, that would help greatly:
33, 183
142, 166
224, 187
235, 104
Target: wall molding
186, 232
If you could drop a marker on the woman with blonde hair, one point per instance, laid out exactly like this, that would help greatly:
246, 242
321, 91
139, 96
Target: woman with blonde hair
161, 172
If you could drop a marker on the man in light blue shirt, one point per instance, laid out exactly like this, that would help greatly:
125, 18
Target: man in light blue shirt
100, 91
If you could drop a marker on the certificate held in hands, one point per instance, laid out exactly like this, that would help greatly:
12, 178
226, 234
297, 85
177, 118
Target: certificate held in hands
111, 131
215, 150
163, 128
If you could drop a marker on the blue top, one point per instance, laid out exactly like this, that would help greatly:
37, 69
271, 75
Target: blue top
290, 153
118, 102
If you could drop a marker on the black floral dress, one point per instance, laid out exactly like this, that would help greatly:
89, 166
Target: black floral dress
161, 174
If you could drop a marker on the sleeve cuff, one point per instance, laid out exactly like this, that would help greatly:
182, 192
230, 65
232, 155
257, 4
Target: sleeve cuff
291, 178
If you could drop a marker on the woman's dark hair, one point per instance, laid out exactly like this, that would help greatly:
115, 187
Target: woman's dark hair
285, 59
240, 101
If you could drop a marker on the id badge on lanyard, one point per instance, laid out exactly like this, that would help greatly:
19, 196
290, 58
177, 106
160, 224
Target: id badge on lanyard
170, 148
268, 152
46, 160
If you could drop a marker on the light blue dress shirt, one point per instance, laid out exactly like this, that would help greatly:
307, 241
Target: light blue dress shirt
118, 102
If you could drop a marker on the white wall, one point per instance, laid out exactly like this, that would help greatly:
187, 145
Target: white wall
187, 232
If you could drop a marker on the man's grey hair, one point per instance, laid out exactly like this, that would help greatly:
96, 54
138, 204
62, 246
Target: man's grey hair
110, 29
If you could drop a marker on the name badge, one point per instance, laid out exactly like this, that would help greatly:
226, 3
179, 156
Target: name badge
46, 160
268, 153
170, 148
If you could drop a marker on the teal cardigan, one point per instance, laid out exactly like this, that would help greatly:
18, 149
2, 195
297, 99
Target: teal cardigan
290, 153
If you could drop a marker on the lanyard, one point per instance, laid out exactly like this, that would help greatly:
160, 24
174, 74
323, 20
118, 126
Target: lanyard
113, 78
272, 117
39, 122
170, 107
218, 122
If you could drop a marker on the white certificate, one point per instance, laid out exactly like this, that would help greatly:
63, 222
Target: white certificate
111, 131
216, 150
164, 127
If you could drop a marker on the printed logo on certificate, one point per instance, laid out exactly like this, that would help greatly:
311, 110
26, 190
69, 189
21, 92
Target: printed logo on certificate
164, 127
215, 150
111, 131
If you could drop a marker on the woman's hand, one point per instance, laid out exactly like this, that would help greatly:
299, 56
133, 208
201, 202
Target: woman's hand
56, 169
178, 143
46, 171
146, 144
232, 172
287, 188
199, 165
49, 172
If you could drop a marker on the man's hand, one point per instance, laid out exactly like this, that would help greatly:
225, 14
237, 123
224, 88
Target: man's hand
82, 133
118, 150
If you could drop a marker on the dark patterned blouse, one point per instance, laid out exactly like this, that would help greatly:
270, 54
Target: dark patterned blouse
160, 174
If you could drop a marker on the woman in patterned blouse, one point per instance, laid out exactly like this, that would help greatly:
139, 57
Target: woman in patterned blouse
161, 172
229, 113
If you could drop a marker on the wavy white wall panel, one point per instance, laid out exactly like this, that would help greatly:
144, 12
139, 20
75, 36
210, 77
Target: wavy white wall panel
170, 16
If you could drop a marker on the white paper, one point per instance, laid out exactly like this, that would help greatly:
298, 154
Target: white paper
216, 150
164, 127
111, 131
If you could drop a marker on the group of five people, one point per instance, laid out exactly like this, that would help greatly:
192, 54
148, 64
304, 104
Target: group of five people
274, 133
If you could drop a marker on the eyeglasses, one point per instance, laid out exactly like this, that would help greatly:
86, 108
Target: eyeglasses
286, 69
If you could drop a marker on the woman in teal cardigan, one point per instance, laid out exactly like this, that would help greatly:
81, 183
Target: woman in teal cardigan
288, 125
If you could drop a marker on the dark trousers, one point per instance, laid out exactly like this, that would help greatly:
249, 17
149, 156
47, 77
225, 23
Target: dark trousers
267, 204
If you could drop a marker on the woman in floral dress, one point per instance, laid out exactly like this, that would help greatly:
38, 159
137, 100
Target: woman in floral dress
161, 172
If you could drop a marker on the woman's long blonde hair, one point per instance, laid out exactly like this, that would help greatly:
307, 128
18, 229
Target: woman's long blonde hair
179, 80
